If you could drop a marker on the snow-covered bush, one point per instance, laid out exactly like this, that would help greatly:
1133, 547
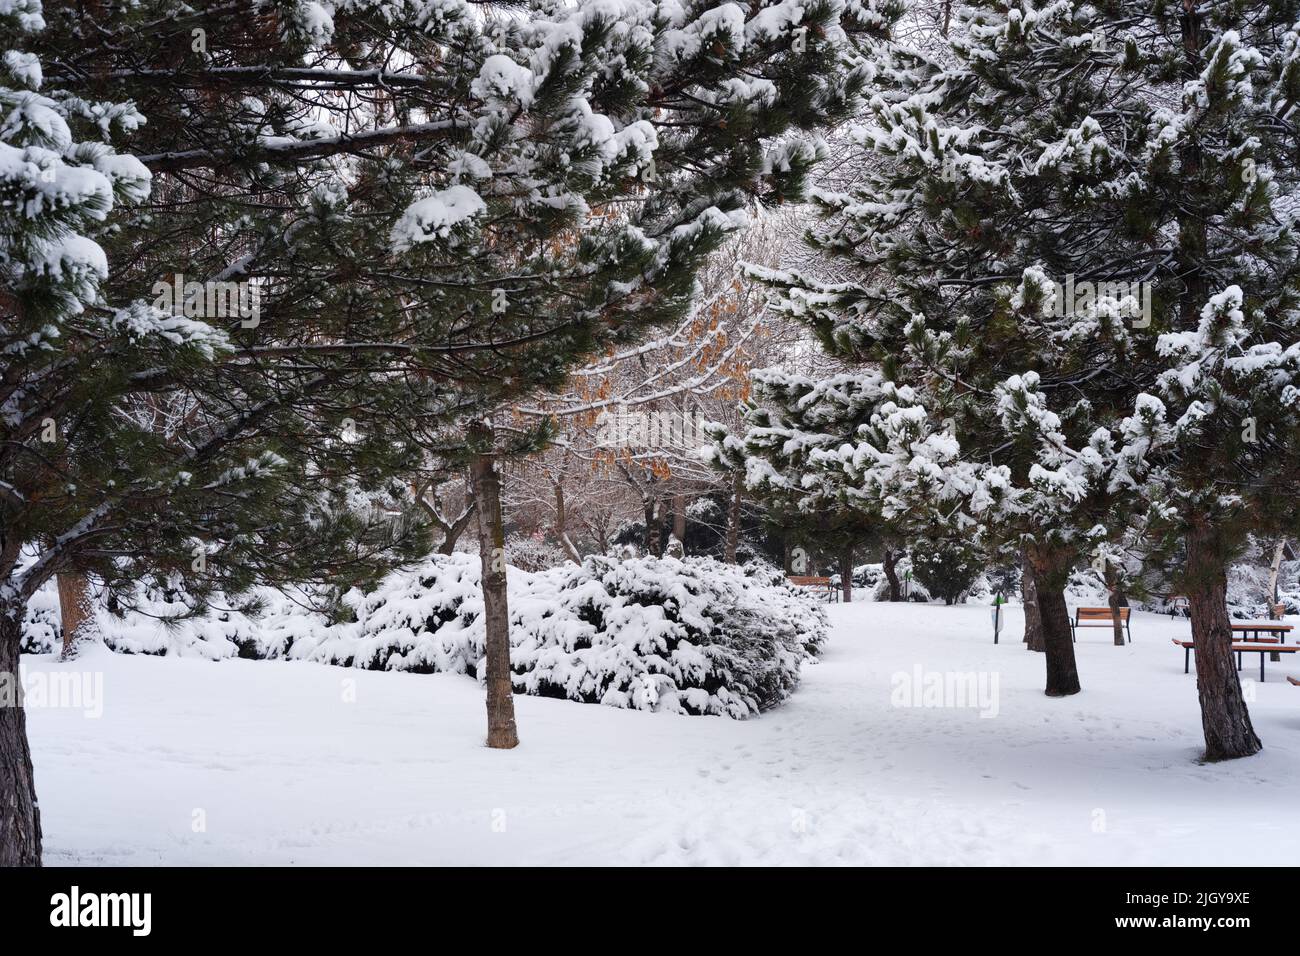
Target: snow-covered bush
944, 568
42, 627
692, 636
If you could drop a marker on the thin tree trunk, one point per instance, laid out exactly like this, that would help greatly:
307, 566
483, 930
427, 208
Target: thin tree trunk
655, 536
679, 519
1273, 570
733, 522
561, 525
1051, 567
846, 574
496, 612
76, 610
1224, 717
1116, 600
891, 575
1029, 596
20, 816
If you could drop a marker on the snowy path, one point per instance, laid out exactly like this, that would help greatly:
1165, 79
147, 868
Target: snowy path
281, 769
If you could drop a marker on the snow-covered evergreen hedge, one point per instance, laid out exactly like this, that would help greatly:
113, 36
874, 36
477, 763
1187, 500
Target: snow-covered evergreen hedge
692, 636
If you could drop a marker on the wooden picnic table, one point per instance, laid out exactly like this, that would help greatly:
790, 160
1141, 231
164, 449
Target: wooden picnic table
1271, 629
1260, 647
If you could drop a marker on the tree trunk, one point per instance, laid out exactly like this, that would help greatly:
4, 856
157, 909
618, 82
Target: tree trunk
1029, 597
561, 525
846, 574
496, 612
679, 519
1051, 568
75, 609
1116, 600
733, 521
1224, 717
890, 560
1273, 569
20, 817
654, 532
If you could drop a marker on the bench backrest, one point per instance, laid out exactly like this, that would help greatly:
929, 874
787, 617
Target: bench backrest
808, 581
1099, 614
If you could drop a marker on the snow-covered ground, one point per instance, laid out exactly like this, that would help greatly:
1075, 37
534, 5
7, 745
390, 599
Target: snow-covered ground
243, 762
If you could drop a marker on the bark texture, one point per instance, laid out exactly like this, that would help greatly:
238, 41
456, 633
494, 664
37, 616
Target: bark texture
20, 816
733, 522
1116, 600
889, 563
1033, 619
502, 734
75, 610
1051, 567
1224, 717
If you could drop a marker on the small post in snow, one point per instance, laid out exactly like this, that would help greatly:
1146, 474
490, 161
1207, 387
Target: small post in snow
997, 615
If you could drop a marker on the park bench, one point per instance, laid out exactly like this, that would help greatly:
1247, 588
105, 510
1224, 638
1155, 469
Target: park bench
1260, 647
1099, 617
1179, 605
1294, 680
829, 591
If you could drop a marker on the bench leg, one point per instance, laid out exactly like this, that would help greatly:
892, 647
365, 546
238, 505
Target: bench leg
1187, 660
1261, 668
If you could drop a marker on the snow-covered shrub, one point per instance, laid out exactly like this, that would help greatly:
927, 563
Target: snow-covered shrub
42, 625
945, 569
695, 636
692, 636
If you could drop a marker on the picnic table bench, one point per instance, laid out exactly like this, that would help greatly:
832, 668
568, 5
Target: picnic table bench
832, 593
1268, 632
1260, 647
1103, 618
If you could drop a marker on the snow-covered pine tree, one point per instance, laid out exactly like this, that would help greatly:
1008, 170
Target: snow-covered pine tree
847, 457
371, 222
1079, 227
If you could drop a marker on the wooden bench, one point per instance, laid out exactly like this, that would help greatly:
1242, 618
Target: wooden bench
832, 593
1252, 647
1179, 605
1294, 680
1103, 618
